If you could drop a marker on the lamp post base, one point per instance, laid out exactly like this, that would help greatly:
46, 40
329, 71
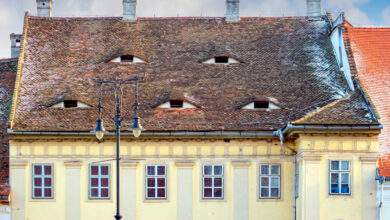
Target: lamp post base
118, 217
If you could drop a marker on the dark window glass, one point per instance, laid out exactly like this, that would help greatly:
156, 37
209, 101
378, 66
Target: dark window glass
42, 181
156, 186
127, 58
261, 104
176, 103
70, 104
221, 59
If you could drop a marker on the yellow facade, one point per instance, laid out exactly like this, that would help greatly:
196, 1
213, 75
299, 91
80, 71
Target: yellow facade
71, 157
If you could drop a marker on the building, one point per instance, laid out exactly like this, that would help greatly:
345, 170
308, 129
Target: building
369, 55
7, 81
244, 118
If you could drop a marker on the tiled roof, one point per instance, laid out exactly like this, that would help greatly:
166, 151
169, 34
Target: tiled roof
7, 81
369, 55
289, 60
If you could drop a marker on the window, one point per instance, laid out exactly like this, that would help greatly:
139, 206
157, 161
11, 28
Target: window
156, 182
127, 59
221, 60
177, 104
269, 181
259, 105
213, 182
42, 181
99, 181
71, 104
340, 180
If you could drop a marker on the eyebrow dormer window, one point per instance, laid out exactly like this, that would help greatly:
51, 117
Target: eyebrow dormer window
127, 59
221, 60
177, 104
70, 104
259, 105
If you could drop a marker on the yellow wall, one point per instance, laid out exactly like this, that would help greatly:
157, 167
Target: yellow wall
321, 148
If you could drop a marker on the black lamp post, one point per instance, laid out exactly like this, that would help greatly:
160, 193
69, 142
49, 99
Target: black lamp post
136, 125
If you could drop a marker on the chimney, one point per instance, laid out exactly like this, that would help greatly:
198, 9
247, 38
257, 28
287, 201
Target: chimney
129, 10
44, 8
16, 40
313, 8
232, 10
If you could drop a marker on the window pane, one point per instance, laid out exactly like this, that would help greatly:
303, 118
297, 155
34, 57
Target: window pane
104, 170
151, 193
104, 182
94, 192
264, 192
104, 192
275, 169
334, 188
151, 182
94, 182
47, 170
217, 170
207, 192
161, 193
38, 192
161, 182
275, 182
207, 170
334, 165
37, 169
344, 178
94, 170
47, 181
151, 170
274, 192
264, 169
334, 178
47, 192
37, 181
207, 182
218, 193
218, 182
264, 181
344, 165
161, 170
344, 188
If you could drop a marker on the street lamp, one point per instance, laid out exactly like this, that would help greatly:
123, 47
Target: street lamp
136, 127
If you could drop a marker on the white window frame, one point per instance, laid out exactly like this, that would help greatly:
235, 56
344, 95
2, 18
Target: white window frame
99, 177
269, 176
156, 176
213, 176
42, 176
340, 171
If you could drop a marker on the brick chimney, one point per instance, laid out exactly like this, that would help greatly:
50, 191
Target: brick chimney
44, 8
232, 10
130, 10
16, 40
313, 8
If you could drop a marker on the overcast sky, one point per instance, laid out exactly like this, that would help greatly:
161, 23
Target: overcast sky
359, 12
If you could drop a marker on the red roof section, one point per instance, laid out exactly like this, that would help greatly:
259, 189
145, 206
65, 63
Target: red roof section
370, 60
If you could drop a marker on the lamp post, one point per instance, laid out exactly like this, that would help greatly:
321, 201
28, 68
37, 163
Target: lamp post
136, 125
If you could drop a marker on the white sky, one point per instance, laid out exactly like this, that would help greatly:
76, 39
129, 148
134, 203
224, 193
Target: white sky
12, 11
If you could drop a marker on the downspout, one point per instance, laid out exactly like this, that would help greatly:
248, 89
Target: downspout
280, 134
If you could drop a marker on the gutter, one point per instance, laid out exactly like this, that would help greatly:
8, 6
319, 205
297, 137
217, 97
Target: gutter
290, 127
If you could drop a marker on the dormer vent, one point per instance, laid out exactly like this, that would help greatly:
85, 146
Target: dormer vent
261, 105
70, 104
221, 60
176, 104
127, 59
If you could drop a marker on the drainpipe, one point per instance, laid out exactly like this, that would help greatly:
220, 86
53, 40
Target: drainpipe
295, 193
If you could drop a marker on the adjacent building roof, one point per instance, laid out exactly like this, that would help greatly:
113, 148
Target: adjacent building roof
369, 54
7, 81
288, 60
